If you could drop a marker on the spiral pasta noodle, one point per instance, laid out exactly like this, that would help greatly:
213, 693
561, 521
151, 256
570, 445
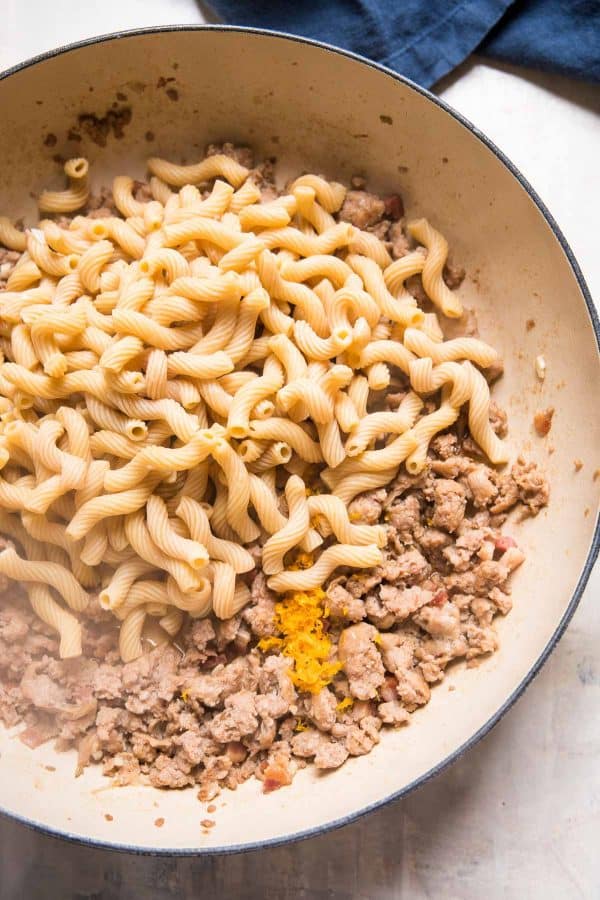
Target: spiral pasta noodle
170, 371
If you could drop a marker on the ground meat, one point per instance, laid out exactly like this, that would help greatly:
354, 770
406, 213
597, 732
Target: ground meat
531, 484
277, 773
508, 494
330, 755
202, 633
394, 207
8, 260
366, 509
259, 614
237, 720
362, 209
344, 605
432, 540
449, 499
243, 155
322, 709
216, 707
402, 602
393, 713
359, 740
361, 660
482, 488
399, 658
14, 624
399, 244
405, 517
453, 275
307, 742
542, 421
411, 566
439, 621
142, 191
171, 772
498, 417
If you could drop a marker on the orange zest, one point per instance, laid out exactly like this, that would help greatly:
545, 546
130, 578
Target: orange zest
299, 618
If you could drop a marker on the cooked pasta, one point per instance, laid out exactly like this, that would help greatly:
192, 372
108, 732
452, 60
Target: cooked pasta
178, 379
76, 194
437, 254
329, 560
294, 530
49, 611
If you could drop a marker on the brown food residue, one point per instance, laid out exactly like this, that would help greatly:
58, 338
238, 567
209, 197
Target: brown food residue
172, 94
529, 324
98, 128
208, 823
159, 822
542, 421
50, 140
596, 475
50, 768
387, 120
211, 808
578, 463
108, 817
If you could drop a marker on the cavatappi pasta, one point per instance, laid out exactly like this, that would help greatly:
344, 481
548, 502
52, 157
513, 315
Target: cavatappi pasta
176, 380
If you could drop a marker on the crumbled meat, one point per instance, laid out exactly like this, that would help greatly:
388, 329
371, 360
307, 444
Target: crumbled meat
243, 155
393, 207
403, 601
482, 488
405, 516
322, 708
202, 633
449, 499
399, 657
362, 209
411, 566
398, 242
453, 275
344, 605
542, 421
277, 773
260, 612
531, 484
361, 660
330, 755
237, 720
393, 713
361, 739
366, 508
439, 621
171, 772
307, 742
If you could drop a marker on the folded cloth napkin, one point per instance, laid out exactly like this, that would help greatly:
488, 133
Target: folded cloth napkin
426, 39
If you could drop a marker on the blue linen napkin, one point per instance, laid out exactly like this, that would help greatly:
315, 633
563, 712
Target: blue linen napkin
426, 39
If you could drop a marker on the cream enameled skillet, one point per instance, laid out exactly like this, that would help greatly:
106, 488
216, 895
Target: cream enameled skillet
321, 109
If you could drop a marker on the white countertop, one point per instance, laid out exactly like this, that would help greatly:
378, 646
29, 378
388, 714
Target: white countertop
519, 815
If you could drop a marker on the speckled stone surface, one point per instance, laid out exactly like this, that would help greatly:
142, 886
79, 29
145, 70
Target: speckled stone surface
518, 816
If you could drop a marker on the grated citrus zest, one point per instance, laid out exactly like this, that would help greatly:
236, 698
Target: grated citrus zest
299, 620
344, 704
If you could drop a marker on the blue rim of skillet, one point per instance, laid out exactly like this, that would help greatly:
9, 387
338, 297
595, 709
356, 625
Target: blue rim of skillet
595, 545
